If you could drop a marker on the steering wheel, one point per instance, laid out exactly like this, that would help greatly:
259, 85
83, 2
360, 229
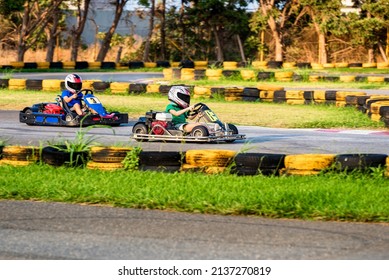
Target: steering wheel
85, 91
196, 109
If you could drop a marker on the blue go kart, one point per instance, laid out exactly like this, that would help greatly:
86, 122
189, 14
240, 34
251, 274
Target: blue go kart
59, 114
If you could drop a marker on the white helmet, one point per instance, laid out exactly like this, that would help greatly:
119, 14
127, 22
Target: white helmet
179, 95
73, 83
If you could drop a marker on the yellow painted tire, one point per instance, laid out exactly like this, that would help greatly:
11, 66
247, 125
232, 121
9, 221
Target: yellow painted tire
204, 169
108, 166
201, 64
341, 65
150, 64
283, 76
317, 66
375, 117
109, 154
213, 74
289, 65
218, 158
259, 64
119, 87
319, 95
94, 65
43, 65
51, 85
202, 91
68, 64
15, 162
295, 101
315, 162
341, 95
150, 88
375, 107
382, 65
269, 87
347, 79
314, 78
329, 65
294, 94
373, 79
167, 73
248, 74
369, 65
17, 84
17, 64
230, 65
21, 153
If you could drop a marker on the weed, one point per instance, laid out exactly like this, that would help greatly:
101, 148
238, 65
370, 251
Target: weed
131, 161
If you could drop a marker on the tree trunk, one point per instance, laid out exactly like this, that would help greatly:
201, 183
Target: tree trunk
240, 48
370, 55
182, 10
105, 46
53, 36
163, 33
219, 51
146, 53
21, 42
77, 31
322, 52
279, 51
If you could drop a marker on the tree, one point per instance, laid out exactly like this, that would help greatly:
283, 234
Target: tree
76, 30
146, 52
275, 14
105, 46
324, 16
33, 20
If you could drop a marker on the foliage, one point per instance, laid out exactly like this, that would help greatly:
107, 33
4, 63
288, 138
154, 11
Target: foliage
131, 161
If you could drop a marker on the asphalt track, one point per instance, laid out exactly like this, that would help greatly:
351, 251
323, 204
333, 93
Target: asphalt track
36, 230
259, 139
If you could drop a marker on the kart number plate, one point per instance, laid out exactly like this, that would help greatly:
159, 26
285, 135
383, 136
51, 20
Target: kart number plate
211, 115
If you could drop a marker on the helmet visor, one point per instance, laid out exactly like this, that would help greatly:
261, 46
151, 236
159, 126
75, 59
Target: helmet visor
75, 86
184, 97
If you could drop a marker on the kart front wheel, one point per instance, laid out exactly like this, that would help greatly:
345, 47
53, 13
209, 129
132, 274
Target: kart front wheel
234, 131
200, 131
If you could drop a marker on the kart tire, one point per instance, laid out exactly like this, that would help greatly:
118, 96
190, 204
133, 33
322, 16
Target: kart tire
199, 131
69, 118
140, 128
234, 131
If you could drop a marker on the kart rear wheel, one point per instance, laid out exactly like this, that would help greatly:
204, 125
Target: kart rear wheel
200, 131
29, 112
140, 128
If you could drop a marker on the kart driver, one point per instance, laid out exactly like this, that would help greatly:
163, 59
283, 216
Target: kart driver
71, 95
179, 108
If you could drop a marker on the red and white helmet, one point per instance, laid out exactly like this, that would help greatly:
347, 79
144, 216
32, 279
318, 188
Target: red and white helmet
73, 83
179, 95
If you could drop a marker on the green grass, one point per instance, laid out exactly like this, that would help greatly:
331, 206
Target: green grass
353, 197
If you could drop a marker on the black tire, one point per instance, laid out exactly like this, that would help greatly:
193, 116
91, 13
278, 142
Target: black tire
234, 131
34, 84
265, 75
56, 156
160, 159
138, 88
199, 131
140, 128
100, 86
81, 65
308, 95
330, 95
363, 162
56, 65
4, 83
258, 163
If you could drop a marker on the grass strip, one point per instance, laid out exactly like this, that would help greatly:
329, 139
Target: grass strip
342, 197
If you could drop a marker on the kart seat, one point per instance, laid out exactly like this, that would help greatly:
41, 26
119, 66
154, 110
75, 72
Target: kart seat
64, 105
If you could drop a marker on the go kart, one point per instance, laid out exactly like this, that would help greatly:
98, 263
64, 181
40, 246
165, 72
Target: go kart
158, 126
59, 114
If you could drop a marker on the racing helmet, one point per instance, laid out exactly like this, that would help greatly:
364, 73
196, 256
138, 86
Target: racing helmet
73, 83
179, 95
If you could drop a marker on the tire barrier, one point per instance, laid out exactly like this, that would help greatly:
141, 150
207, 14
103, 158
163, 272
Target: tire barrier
263, 93
206, 161
107, 158
19, 155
